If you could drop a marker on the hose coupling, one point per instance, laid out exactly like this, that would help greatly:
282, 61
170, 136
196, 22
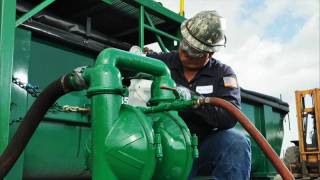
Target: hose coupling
194, 145
79, 77
74, 80
202, 100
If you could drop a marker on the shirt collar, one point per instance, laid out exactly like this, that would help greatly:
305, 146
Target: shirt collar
208, 68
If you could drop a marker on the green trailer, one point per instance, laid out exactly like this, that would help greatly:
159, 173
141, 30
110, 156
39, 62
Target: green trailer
41, 40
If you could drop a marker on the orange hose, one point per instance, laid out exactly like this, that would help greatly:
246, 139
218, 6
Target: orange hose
252, 130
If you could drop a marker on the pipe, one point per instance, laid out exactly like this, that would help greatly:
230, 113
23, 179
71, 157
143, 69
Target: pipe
251, 129
128, 61
31, 121
102, 121
114, 58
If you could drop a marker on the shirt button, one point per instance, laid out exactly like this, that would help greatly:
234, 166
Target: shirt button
190, 85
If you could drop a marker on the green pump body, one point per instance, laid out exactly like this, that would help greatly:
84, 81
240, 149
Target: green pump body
154, 146
142, 142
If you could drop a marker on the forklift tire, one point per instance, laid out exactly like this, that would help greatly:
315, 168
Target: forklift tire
292, 156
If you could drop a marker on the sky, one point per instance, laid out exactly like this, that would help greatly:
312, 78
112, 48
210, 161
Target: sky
273, 45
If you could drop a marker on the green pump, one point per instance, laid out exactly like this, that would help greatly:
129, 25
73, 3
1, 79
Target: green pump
126, 142
131, 142
136, 142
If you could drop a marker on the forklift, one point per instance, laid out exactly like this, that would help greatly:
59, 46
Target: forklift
303, 159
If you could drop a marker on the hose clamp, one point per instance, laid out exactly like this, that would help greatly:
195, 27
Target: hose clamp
63, 84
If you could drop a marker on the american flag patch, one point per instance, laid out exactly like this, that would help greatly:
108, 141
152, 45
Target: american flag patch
230, 82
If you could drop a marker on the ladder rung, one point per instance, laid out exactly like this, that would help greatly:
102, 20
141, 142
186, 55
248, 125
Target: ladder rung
308, 110
316, 152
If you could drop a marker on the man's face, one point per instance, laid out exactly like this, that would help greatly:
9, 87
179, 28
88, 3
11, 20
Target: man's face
191, 63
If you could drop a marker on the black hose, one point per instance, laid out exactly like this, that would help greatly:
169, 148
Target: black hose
31, 121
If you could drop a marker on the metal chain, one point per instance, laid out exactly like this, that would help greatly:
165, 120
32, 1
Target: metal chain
69, 108
15, 121
31, 89
34, 92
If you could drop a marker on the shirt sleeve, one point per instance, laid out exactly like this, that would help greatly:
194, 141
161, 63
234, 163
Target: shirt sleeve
229, 90
160, 56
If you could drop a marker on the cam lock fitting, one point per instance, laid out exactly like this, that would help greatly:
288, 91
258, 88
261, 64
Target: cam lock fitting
158, 146
157, 141
194, 144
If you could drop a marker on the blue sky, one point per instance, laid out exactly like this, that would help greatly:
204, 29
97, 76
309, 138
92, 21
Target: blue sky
282, 28
249, 7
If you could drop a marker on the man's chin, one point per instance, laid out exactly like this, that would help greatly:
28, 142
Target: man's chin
192, 68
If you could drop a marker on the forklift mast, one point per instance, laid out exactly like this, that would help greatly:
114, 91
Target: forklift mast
308, 118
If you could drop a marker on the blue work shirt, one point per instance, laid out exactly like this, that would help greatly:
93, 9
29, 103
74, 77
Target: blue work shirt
213, 80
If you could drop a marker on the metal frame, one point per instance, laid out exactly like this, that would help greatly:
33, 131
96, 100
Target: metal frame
141, 27
143, 14
155, 8
34, 11
152, 28
146, 7
161, 44
9, 23
7, 34
308, 154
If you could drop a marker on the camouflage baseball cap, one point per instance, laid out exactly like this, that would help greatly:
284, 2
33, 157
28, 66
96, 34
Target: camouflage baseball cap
204, 31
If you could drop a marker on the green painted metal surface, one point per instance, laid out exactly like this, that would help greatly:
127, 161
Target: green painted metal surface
58, 151
157, 146
161, 33
108, 1
157, 9
159, 39
7, 30
34, 11
269, 121
58, 147
59, 60
141, 27
19, 96
129, 61
177, 157
66, 135
109, 159
175, 105
64, 145
145, 6
129, 145
105, 111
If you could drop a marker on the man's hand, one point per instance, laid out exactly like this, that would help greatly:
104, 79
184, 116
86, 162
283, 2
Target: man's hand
146, 50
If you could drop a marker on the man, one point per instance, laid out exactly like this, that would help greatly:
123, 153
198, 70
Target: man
224, 153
